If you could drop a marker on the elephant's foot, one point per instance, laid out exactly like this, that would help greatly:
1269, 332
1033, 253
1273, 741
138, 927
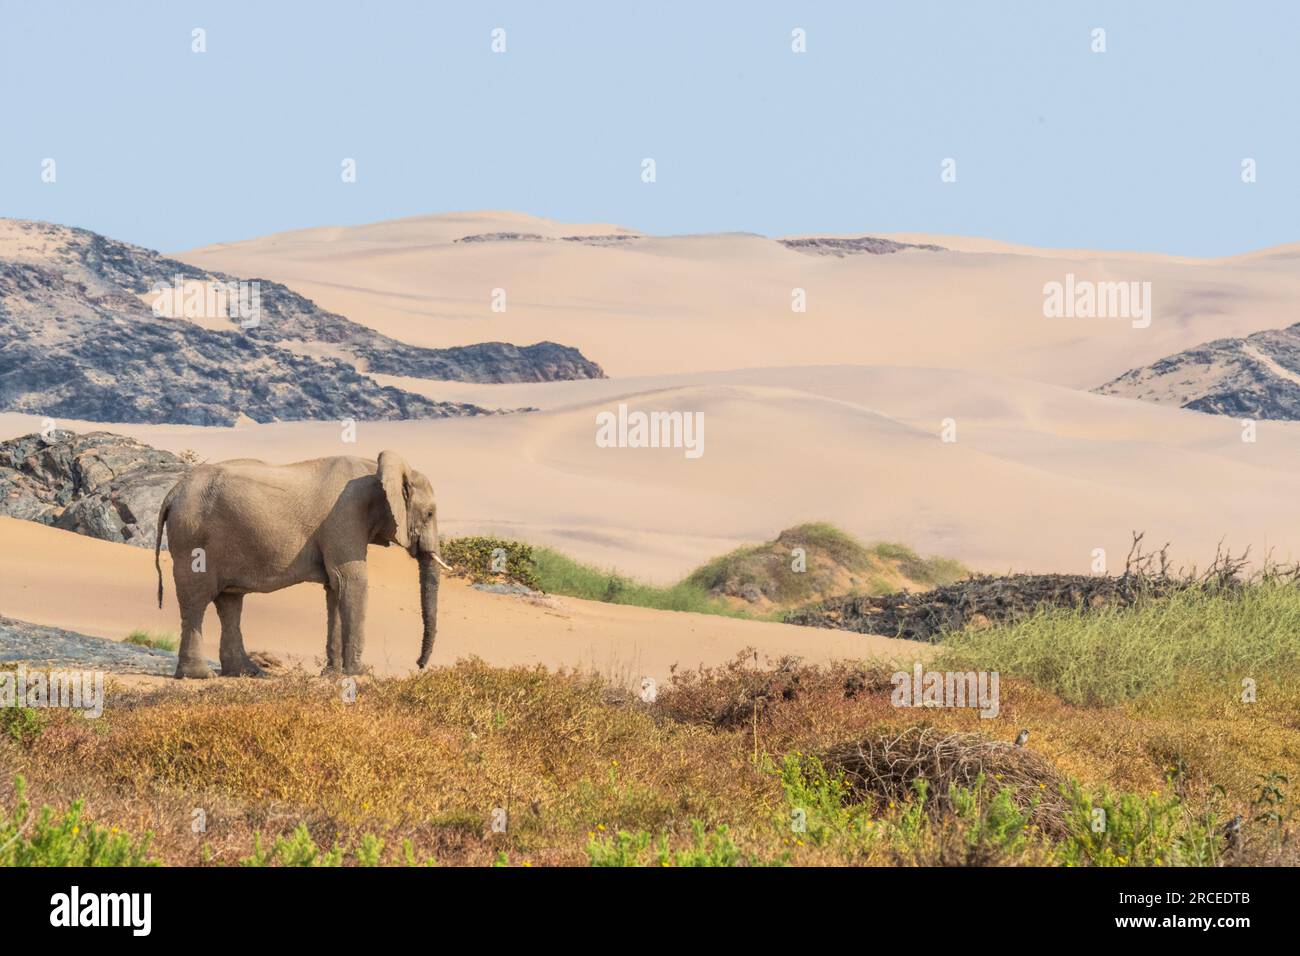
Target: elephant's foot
241, 668
355, 670
331, 670
198, 670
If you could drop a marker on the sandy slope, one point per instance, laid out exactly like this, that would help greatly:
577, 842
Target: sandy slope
662, 305
66, 580
1039, 475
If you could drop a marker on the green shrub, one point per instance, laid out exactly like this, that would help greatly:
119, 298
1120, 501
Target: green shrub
1133, 830
64, 840
492, 559
299, 849
708, 847
22, 725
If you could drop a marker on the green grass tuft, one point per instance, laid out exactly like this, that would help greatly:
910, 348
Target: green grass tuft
560, 574
160, 642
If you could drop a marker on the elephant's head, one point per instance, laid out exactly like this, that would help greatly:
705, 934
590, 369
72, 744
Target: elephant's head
413, 516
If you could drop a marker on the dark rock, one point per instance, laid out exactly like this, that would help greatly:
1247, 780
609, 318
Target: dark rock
97, 484
53, 648
77, 340
869, 245
1254, 377
979, 601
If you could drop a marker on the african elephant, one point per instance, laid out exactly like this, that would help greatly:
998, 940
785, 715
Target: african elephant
245, 526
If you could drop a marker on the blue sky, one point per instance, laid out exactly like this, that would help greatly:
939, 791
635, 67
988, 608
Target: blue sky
1136, 148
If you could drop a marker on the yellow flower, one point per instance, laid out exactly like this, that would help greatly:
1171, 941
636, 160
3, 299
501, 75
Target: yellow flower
76, 830
600, 827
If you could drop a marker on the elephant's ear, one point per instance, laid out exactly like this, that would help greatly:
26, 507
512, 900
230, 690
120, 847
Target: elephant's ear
394, 478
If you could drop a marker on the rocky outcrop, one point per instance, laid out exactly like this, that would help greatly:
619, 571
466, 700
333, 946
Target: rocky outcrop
599, 239
79, 338
97, 484
52, 648
503, 237
1254, 377
862, 245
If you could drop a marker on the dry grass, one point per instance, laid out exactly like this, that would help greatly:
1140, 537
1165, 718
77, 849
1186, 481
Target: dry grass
422, 762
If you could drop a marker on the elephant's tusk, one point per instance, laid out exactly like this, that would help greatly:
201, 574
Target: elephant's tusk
443, 563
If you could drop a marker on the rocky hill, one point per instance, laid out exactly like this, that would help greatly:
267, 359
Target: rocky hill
80, 338
98, 484
1253, 377
860, 245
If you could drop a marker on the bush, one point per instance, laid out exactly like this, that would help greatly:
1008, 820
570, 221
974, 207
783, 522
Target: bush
66, 840
492, 559
301, 850
22, 725
707, 847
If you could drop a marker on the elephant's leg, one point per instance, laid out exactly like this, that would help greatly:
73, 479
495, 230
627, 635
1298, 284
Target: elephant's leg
235, 661
191, 662
352, 581
333, 633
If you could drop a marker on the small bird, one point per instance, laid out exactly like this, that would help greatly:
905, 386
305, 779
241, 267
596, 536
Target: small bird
1022, 738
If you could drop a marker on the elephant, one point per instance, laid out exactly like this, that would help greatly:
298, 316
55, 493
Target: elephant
245, 526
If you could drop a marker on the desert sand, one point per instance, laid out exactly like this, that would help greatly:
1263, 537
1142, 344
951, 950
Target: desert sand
664, 305
61, 579
1037, 478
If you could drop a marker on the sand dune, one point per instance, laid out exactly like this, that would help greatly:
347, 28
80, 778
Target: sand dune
1039, 475
661, 305
62, 579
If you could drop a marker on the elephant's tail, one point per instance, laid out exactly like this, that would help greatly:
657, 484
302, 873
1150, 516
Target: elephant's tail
157, 541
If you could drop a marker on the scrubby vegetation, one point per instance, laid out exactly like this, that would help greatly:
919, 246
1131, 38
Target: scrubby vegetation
560, 574
1112, 654
1143, 750
759, 581
811, 561
66, 839
489, 559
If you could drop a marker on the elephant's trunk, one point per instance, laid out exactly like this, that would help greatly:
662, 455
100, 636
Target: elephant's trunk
428, 605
